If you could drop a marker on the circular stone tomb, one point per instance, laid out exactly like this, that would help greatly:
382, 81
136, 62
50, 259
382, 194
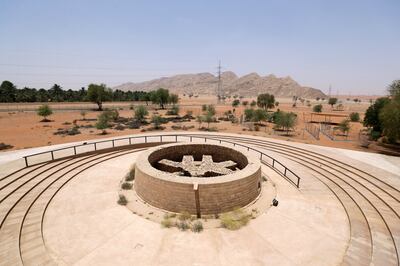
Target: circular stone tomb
197, 178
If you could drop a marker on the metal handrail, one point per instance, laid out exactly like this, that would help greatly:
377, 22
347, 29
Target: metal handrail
275, 162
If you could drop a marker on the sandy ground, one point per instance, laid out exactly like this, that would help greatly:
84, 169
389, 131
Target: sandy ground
23, 129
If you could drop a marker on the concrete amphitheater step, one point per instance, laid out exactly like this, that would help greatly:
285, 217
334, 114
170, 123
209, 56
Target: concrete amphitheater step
33, 255
372, 210
16, 205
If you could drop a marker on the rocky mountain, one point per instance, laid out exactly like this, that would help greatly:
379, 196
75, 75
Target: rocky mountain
206, 84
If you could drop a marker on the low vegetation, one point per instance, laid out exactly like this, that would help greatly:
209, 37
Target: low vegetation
130, 176
126, 185
45, 111
234, 220
354, 117
122, 200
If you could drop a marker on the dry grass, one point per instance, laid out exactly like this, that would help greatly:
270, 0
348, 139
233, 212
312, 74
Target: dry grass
234, 220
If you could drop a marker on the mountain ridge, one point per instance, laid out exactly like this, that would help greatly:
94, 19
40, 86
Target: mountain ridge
206, 83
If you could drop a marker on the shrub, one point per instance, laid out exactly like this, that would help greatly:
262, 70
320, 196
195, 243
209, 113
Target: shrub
122, 200
103, 122
4, 146
156, 120
174, 110
126, 185
83, 114
166, 223
197, 227
317, 108
130, 176
140, 112
184, 216
45, 111
354, 117
235, 219
73, 131
182, 225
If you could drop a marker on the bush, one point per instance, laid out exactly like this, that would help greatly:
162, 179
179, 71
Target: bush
354, 117
182, 225
126, 185
122, 200
183, 216
45, 111
166, 223
4, 146
317, 108
197, 227
174, 110
130, 176
235, 219
140, 112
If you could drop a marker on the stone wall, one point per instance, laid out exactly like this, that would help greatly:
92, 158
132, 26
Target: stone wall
214, 195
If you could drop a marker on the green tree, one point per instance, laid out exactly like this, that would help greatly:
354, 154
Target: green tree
354, 117
394, 89
208, 118
285, 120
8, 92
156, 120
45, 111
253, 103
317, 108
98, 94
390, 114
145, 98
332, 101
103, 122
235, 103
371, 118
199, 119
390, 117
160, 97
140, 113
173, 98
56, 93
248, 114
245, 103
344, 126
266, 101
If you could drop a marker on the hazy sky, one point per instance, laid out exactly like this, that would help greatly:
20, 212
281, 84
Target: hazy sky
352, 45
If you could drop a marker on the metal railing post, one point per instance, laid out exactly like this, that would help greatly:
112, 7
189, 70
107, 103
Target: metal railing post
145, 139
285, 171
191, 138
130, 142
160, 138
26, 161
95, 146
113, 143
273, 162
74, 150
176, 138
52, 156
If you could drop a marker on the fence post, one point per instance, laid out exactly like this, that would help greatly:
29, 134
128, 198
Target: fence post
130, 142
74, 150
95, 146
26, 161
113, 143
190, 138
285, 171
273, 162
160, 138
145, 139
298, 182
52, 156
176, 138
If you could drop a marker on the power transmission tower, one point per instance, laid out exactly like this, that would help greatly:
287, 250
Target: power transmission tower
220, 93
330, 90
